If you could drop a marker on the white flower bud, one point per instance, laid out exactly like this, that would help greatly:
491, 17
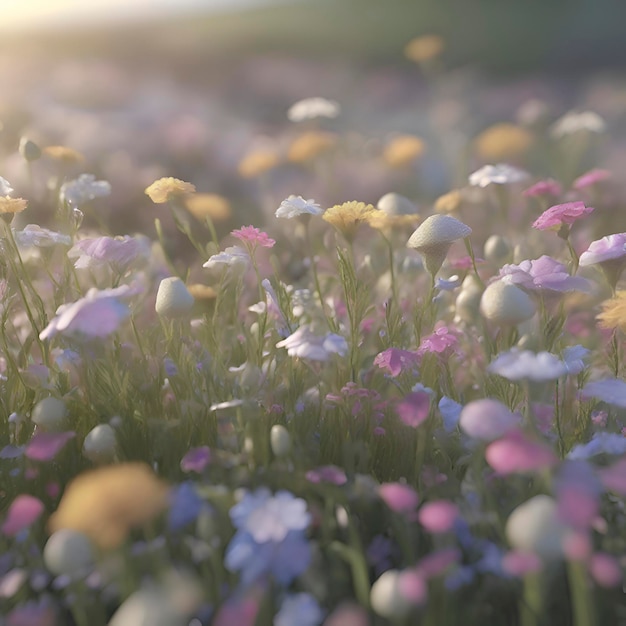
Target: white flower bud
50, 414
535, 527
505, 304
467, 304
497, 249
385, 596
68, 552
280, 440
100, 444
248, 445
395, 204
173, 298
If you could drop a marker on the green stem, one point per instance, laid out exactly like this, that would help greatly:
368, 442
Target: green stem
580, 593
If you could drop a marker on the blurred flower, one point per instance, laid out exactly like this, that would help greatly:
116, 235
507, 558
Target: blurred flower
257, 162
69, 553
185, 506
233, 256
270, 537
520, 563
310, 108
211, 205
576, 121
106, 503
305, 344
609, 248
601, 443
327, 474
614, 312
516, 453
613, 477
398, 497
32, 614
45, 446
301, 609
548, 187
396, 592
505, 304
64, 154
253, 237
518, 364
100, 444
450, 411
395, 361
591, 178
309, 145
450, 202
173, 298
5, 187
348, 614
561, 214
424, 48
394, 204
10, 206
440, 341
500, 174
574, 359
83, 189
23, 512
119, 252
294, 206
414, 408
438, 516
605, 569
347, 217
577, 493
163, 189
196, 460
34, 235
487, 419
503, 141
380, 220
544, 273
403, 150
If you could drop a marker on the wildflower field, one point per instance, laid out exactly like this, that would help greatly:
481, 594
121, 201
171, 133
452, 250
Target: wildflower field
310, 368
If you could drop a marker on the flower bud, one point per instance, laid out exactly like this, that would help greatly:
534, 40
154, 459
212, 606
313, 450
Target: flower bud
68, 552
386, 598
50, 414
173, 298
29, 150
280, 440
100, 444
505, 304
467, 304
395, 204
497, 249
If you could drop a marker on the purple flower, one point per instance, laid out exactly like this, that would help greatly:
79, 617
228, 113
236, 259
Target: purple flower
578, 494
185, 506
327, 474
395, 361
414, 408
438, 342
609, 390
544, 273
301, 609
450, 413
44, 446
119, 252
601, 443
23, 512
608, 248
526, 365
515, 453
196, 460
83, 189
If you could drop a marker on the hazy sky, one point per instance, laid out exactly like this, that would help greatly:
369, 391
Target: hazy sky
23, 13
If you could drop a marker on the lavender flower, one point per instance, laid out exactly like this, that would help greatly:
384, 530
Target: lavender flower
543, 274
608, 248
83, 189
601, 443
119, 252
34, 235
299, 608
609, 390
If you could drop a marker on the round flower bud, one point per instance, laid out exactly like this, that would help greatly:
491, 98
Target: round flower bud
173, 298
100, 443
497, 249
506, 305
68, 552
467, 304
394, 204
386, 598
280, 440
50, 414
535, 527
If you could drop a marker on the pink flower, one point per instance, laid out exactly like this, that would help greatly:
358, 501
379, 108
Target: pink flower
118, 251
515, 453
519, 563
398, 497
414, 408
23, 512
577, 545
45, 446
578, 494
396, 361
412, 586
591, 178
560, 214
605, 570
549, 187
253, 237
464, 262
439, 341
614, 477
438, 562
487, 419
327, 474
438, 516
348, 614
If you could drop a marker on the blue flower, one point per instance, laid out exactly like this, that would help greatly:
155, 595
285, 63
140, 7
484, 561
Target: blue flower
301, 609
185, 506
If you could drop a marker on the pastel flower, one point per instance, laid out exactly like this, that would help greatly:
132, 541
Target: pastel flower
398, 497
119, 252
196, 460
164, 189
310, 108
327, 474
561, 214
503, 141
548, 187
438, 516
436, 563
33, 235
577, 121
240, 611
294, 206
299, 608
5, 187
591, 178
69, 553
310, 145
393, 596
348, 614
10, 206
185, 505
234, 256
347, 217
526, 365
543, 274
395, 361
258, 161
45, 446
33, 614
414, 408
402, 150
574, 359
500, 174
487, 419
450, 411
609, 390
519, 563
605, 569
613, 313
253, 237
516, 453
305, 344
84, 189
609, 248
578, 494
613, 477
24, 511
438, 342
601, 443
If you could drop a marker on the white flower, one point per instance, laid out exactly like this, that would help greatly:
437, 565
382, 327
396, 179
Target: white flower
506, 305
310, 108
34, 235
173, 298
100, 444
575, 121
395, 204
305, 344
280, 440
526, 365
83, 189
50, 414
5, 187
500, 174
68, 552
234, 256
294, 206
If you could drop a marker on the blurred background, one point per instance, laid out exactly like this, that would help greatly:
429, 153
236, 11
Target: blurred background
191, 88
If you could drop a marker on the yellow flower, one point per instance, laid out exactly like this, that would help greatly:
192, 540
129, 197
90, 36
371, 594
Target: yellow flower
614, 312
203, 205
161, 190
449, 202
347, 217
310, 145
202, 292
12, 205
105, 504
503, 141
257, 162
424, 48
64, 154
403, 150
380, 220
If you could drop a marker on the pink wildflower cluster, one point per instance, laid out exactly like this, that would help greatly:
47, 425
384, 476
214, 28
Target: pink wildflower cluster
253, 237
361, 402
561, 214
442, 340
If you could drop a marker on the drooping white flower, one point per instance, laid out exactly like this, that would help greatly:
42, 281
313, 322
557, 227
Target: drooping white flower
83, 189
305, 344
233, 256
310, 108
293, 206
575, 121
500, 174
